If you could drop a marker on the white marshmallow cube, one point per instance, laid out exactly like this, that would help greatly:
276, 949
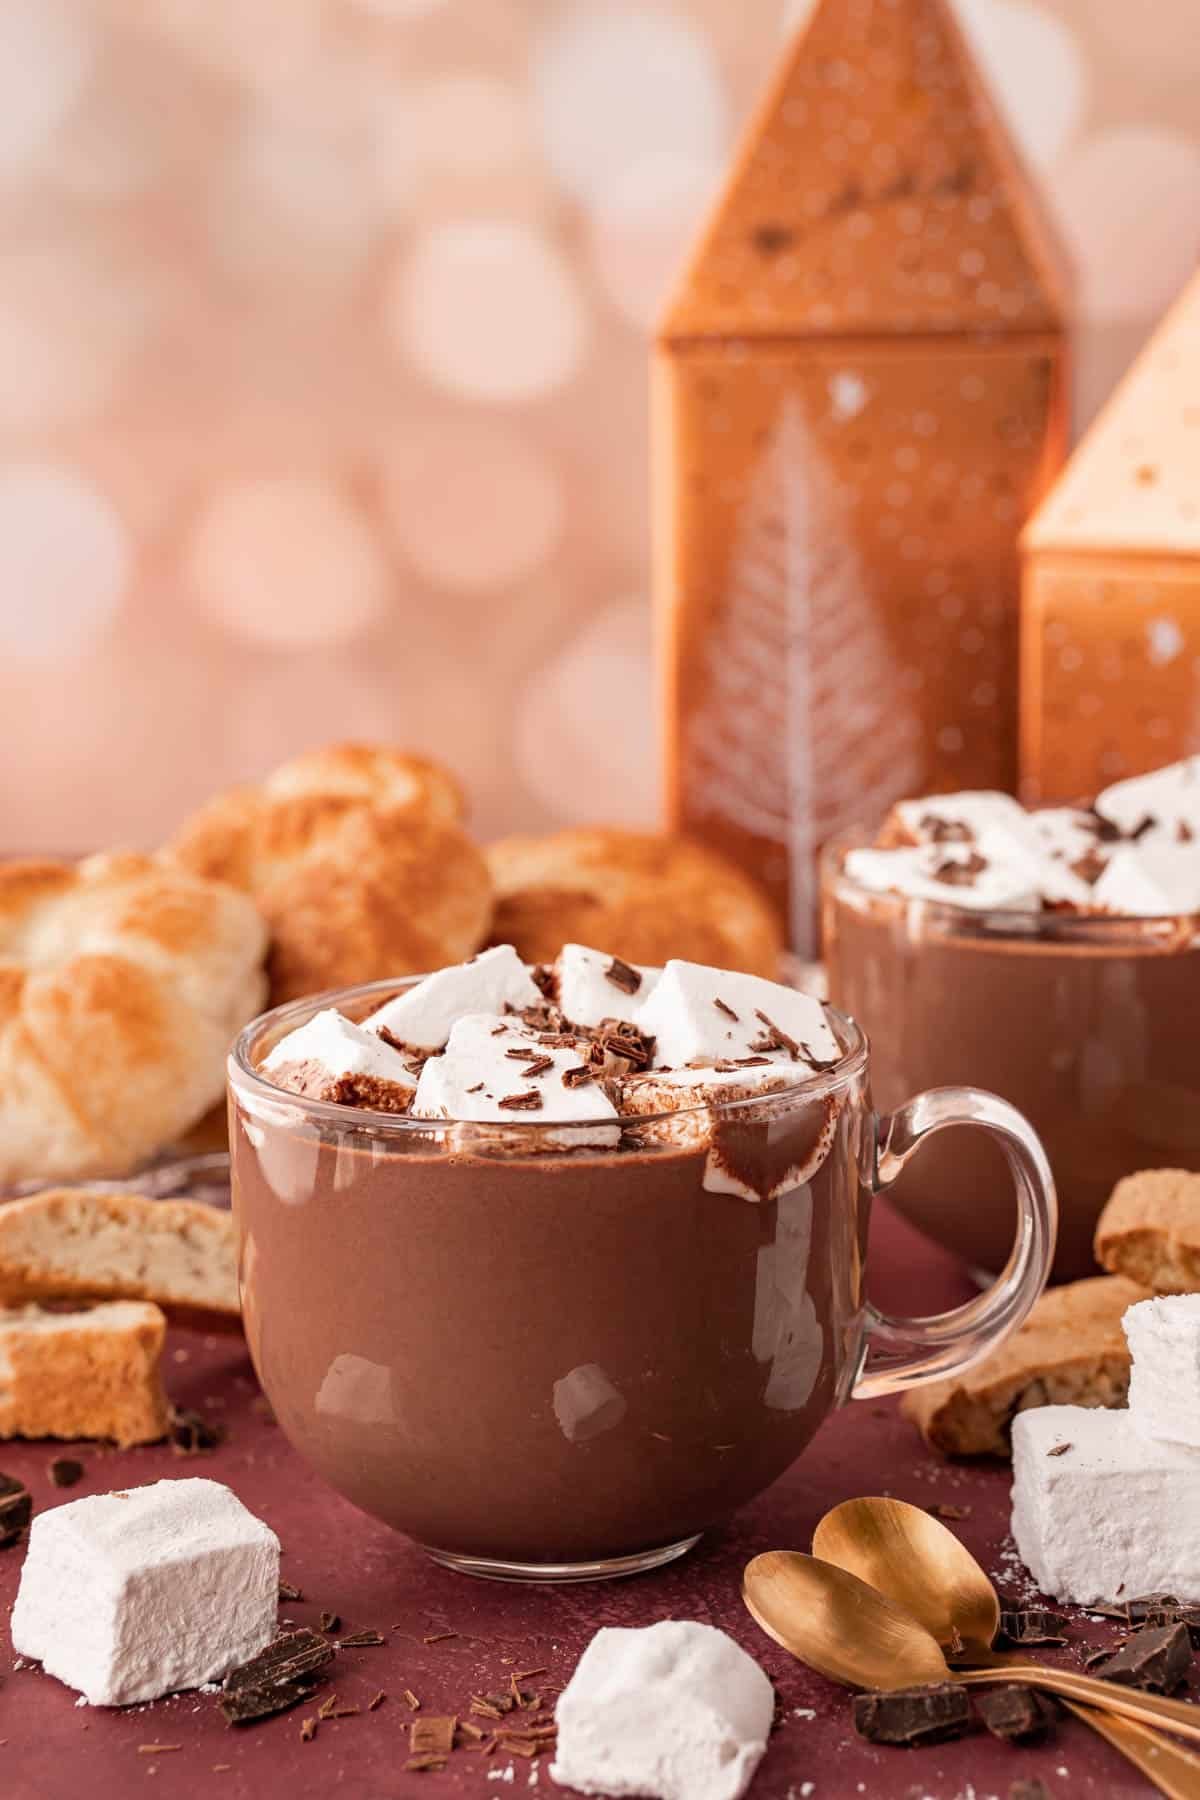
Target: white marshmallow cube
338, 1047
963, 817
1101, 1513
930, 872
421, 1018
674, 1711
1150, 879
702, 1015
586, 994
131, 1595
475, 1074
1164, 1384
1169, 798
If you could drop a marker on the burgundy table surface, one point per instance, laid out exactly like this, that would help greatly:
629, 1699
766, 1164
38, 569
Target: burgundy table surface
52, 1749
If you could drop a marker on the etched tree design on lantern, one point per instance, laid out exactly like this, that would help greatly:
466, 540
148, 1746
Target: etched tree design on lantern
801, 728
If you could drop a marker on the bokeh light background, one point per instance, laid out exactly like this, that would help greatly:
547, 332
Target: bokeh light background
323, 366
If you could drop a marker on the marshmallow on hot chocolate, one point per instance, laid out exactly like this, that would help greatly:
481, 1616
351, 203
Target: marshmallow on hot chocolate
331, 1058
130, 1595
1065, 834
1099, 1510
495, 981
494, 1070
947, 874
702, 1015
1163, 806
593, 986
959, 818
1153, 878
674, 1711
1164, 1382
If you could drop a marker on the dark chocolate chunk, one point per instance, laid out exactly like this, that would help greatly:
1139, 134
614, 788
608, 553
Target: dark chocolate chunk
1033, 1625
912, 1716
244, 1704
65, 1471
16, 1510
432, 1735
1157, 1658
1090, 866
288, 1592
1015, 1713
192, 1433
361, 1640
330, 1621
622, 976
1166, 1611
293, 1656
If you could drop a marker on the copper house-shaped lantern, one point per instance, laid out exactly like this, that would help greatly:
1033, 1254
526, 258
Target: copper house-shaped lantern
1111, 604
859, 397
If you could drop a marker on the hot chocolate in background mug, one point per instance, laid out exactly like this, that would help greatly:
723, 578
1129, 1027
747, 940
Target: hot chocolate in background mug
556, 1351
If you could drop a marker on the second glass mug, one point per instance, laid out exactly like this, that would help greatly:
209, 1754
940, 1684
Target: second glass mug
545, 1359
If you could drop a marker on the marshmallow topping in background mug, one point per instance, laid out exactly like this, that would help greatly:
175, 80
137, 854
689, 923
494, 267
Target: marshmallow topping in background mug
554, 1268
1053, 957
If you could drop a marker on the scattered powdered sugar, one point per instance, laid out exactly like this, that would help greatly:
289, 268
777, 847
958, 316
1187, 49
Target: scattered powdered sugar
508, 1774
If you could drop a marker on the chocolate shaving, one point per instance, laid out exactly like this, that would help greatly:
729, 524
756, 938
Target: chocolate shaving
376, 1701
1183, 832
1156, 1658
16, 1510
954, 873
439, 1637
945, 831
330, 1621
1090, 866
529, 1101
1059, 1449
477, 1089
418, 1765
432, 1735
773, 1038
820, 1063
411, 1700
1015, 1713
622, 976
576, 1077
192, 1434
288, 1592
910, 1716
308, 1730
65, 1471
1033, 1625
618, 1038
945, 1509
1142, 827
361, 1640
543, 978
723, 1008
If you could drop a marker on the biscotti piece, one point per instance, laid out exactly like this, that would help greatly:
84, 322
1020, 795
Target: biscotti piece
131, 1595
1150, 1231
87, 1374
1070, 1351
69, 1243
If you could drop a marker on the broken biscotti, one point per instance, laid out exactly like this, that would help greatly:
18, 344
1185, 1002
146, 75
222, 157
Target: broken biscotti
1150, 1231
1071, 1350
87, 1374
68, 1244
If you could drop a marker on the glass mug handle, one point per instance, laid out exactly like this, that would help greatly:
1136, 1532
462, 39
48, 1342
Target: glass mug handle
903, 1353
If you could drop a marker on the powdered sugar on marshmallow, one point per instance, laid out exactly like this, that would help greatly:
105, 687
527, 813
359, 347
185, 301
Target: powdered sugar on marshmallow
593, 986
495, 981
1101, 1512
496, 1071
698, 1014
1164, 1383
674, 1711
1153, 878
131, 1595
1163, 806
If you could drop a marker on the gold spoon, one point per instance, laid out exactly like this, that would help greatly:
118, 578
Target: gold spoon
849, 1632
909, 1556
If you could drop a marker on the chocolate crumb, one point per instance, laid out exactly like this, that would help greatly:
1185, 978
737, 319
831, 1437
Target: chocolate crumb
330, 1621
529, 1101
288, 1592
1183, 832
945, 1509
1059, 1449
360, 1640
308, 1729
16, 1510
65, 1471
191, 1434
723, 1008
1015, 1713
622, 976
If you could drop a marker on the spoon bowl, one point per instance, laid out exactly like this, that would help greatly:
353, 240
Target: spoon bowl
906, 1554
838, 1624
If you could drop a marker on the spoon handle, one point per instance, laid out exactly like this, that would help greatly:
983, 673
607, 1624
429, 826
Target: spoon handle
1173, 1770
1180, 1716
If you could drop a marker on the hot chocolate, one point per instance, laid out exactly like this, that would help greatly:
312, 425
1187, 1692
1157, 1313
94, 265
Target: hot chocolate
554, 1273
1053, 957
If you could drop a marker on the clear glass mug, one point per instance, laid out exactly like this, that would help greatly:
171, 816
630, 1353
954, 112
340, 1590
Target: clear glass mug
1086, 1024
549, 1358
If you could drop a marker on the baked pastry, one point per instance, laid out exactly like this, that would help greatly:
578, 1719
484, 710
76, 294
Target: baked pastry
645, 897
72, 1243
355, 858
86, 1374
1071, 1351
1150, 1230
122, 981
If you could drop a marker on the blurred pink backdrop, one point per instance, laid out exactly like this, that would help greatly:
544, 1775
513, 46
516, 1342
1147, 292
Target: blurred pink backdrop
323, 366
